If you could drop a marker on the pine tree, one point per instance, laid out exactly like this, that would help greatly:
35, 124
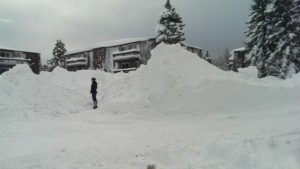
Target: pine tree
58, 53
222, 61
226, 56
207, 57
296, 22
282, 41
45, 68
257, 34
170, 29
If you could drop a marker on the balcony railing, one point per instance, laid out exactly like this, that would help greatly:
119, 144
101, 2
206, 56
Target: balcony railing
126, 57
13, 61
81, 61
124, 69
126, 51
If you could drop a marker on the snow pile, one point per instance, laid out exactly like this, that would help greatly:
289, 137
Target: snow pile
177, 112
176, 81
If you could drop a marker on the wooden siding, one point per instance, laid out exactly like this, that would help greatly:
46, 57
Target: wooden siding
239, 60
35, 61
99, 58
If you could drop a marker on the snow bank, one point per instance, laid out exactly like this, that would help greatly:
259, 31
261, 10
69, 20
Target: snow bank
177, 112
176, 81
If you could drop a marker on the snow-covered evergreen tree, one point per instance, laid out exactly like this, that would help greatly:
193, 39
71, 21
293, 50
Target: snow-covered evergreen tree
226, 54
170, 29
207, 57
45, 68
282, 41
296, 20
222, 61
58, 53
257, 33
273, 39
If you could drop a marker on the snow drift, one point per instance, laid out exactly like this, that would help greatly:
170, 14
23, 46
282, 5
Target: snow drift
177, 112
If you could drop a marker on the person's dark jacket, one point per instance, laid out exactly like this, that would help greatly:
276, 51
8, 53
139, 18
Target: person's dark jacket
94, 87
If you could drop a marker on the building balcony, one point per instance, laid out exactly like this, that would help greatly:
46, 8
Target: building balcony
13, 61
81, 61
77, 64
127, 57
126, 52
124, 69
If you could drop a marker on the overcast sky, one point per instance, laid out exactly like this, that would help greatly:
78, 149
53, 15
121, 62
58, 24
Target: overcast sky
35, 25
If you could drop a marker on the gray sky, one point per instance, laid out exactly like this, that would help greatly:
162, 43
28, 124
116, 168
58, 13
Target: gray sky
35, 25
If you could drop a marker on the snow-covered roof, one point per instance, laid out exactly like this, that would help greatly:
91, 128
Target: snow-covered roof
79, 50
18, 50
242, 49
120, 42
190, 46
108, 44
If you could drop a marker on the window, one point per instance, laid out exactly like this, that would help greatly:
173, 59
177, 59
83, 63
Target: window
125, 65
136, 64
130, 46
121, 48
5, 54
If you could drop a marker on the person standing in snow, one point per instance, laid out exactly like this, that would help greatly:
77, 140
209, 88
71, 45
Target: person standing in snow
94, 92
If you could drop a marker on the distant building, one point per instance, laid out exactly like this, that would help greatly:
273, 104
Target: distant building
193, 49
237, 59
114, 56
11, 57
117, 56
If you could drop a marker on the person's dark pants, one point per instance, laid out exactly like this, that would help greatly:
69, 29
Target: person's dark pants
94, 97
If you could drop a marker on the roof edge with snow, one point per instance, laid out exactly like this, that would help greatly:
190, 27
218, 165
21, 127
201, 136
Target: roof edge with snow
18, 50
109, 44
185, 44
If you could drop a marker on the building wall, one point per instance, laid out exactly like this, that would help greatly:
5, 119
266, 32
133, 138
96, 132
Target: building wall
78, 65
33, 59
128, 58
145, 50
238, 61
98, 60
103, 57
35, 62
109, 65
109, 61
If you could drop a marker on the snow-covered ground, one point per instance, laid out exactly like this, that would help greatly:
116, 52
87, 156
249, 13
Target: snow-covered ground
178, 112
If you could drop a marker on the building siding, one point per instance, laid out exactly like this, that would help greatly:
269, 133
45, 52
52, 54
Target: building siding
33, 59
103, 57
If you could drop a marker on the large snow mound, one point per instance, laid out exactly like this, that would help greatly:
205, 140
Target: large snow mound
176, 80
178, 111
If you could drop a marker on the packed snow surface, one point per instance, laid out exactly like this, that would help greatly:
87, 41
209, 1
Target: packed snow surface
178, 112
